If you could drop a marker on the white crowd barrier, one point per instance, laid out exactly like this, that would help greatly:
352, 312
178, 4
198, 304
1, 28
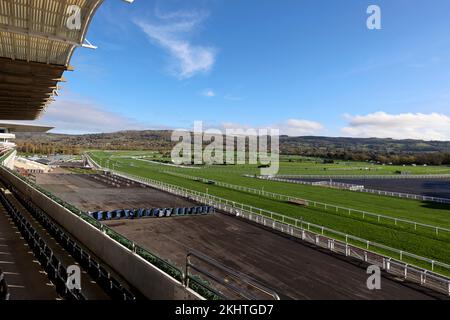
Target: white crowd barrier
393, 260
336, 209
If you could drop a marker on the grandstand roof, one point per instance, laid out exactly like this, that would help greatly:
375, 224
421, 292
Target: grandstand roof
19, 127
37, 40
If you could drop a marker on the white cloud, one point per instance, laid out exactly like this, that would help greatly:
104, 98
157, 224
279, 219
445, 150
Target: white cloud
209, 93
290, 127
79, 117
432, 126
172, 33
298, 127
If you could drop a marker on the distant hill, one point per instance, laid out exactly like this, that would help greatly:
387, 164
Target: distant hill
365, 144
118, 140
383, 150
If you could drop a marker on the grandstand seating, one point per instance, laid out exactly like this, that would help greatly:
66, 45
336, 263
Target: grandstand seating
4, 295
150, 212
54, 268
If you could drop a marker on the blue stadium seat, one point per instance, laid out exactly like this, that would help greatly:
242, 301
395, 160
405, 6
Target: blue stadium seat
51, 272
109, 215
94, 269
127, 295
115, 289
119, 214
98, 215
103, 278
156, 212
77, 251
85, 259
148, 212
126, 214
60, 282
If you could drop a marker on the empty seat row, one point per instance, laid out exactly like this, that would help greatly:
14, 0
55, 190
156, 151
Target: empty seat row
48, 261
56, 271
150, 212
99, 273
4, 293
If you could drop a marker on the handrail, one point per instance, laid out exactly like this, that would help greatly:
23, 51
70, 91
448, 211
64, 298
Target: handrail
279, 196
220, 203
230, 272
368, 176
4, 291
161, 264
401, 195
394, 257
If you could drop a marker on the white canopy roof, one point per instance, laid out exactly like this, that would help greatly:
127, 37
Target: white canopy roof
44, 30
37, 40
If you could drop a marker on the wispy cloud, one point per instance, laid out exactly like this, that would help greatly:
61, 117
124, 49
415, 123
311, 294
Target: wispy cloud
300, 127
232, 98
79, 117
290, 127
208, 93
432, 126
172, 32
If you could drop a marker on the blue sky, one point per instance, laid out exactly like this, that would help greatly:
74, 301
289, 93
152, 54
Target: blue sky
308, 67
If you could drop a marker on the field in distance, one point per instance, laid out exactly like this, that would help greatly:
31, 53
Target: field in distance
423, 242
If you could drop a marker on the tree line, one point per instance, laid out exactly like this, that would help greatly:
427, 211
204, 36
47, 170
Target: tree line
47, 149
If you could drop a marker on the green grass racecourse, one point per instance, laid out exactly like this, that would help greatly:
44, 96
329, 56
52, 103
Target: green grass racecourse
421, 242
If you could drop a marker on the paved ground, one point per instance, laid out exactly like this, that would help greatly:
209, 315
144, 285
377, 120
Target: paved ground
25, 278
439, 188
91, 195
293, 269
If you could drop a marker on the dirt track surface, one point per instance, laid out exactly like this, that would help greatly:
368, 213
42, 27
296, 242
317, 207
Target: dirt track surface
90, 195
292, 269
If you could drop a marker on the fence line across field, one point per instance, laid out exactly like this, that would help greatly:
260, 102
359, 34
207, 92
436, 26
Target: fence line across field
314, 233
222, 203
360, 176
390, 263
378, 192
437, 230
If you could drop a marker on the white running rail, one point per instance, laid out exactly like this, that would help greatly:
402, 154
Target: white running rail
363, 214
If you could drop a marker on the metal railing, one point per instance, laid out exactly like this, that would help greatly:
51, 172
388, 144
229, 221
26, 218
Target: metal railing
406, 196
366, 176
431, 269
161, 264
235, 207
5, 156
378, 192
239, 284
332, 208
4, 292
431, 274
170, 269
398, 268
